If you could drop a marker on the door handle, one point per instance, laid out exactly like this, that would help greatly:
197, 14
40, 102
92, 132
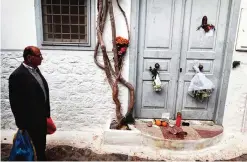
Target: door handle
154, 70
200, 67
157, 65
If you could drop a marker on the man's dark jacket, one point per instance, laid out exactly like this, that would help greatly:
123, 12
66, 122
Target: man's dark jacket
27, 100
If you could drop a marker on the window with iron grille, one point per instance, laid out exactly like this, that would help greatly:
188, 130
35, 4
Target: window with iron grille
66, 22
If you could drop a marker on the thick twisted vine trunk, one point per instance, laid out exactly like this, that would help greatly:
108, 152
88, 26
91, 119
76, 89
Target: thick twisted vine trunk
100, 27
116, 66
99, 31
125, 18
114, 75
129, 114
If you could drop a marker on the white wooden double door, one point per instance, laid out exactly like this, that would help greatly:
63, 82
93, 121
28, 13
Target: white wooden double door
168, 35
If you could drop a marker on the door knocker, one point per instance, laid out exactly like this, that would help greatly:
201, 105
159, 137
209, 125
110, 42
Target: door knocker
200, 67
155, 77
207, 27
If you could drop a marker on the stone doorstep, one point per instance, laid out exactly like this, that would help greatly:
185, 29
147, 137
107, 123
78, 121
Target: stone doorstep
135, 137
192, 122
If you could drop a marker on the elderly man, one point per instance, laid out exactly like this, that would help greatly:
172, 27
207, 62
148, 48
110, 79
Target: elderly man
29, 99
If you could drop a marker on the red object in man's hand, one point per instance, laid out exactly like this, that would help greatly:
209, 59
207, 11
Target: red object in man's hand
51, 128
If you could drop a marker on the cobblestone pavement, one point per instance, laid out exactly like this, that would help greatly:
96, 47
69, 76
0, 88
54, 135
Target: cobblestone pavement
68, 153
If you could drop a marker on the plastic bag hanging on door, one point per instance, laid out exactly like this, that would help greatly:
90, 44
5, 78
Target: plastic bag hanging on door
200, 87
155, 77
157, 83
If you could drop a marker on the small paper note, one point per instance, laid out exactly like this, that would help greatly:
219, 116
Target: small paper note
210, 33
165, 116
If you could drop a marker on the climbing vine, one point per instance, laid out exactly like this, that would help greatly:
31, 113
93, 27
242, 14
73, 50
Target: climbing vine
114, 73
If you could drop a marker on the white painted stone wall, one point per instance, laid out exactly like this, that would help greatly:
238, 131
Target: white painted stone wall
237, 96
79, 91
235, 117
80, 94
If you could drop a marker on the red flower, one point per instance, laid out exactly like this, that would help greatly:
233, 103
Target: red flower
123, 49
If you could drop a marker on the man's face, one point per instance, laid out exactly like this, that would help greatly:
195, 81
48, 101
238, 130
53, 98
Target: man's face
36, 58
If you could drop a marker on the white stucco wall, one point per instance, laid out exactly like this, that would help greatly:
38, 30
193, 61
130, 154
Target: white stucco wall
80, 94
237, 96
18, 27
79, 91
235, 117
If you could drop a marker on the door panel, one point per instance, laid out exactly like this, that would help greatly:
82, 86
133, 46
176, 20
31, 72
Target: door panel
159, 42
158, 12
206, 50
195, 10
152, 99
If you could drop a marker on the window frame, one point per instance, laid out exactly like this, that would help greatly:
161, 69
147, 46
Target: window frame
66, 46
241, 44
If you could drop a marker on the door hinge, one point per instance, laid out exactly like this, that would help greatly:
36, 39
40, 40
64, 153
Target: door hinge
181, 69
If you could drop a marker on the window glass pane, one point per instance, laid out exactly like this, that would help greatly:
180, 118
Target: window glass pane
48, 36
64, 2
56, 10
66, 36
65, 9
57, 36
82, 10
65, 19
47, 9
82, 38
65, 28
74, 10
44, 2
82, 2
47, 19
74, 29
56, 1
48, 28
74, 19
74, 2
82, 29
74, 36
57, 28
83, 20
57, 19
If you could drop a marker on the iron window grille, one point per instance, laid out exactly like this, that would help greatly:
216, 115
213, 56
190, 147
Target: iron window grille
66, 22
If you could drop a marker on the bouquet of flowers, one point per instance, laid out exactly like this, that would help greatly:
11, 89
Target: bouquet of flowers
122, 45
207, 27
202, 95
157, 84
200, 87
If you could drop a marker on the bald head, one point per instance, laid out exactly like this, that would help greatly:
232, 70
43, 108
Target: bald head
30, 50
32, 56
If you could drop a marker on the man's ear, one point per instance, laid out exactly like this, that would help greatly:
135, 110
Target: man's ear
29, 58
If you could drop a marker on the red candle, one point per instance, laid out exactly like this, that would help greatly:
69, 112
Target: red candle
178, 120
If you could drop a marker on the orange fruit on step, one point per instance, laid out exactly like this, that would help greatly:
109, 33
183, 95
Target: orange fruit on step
164, 124
158, 122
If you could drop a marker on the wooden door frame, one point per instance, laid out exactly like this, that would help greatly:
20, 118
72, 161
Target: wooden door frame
234, 8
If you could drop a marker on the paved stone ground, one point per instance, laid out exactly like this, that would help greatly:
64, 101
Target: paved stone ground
68, 153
